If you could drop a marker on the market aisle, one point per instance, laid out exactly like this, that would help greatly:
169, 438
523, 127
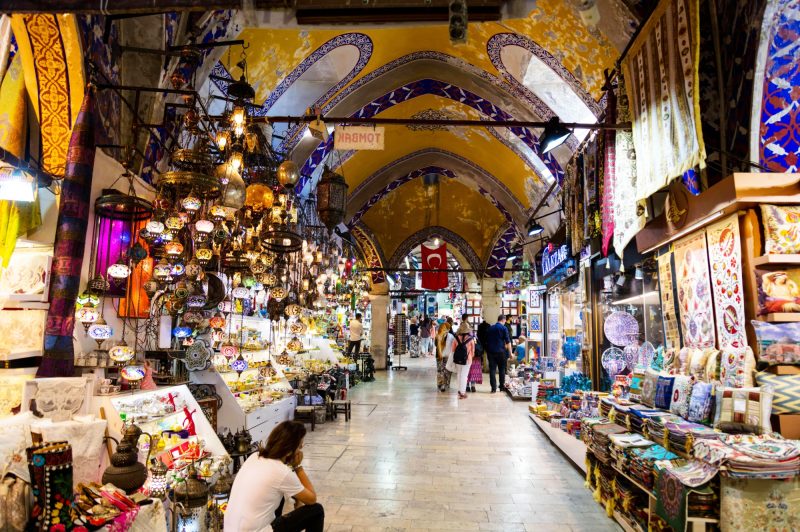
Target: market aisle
414, 459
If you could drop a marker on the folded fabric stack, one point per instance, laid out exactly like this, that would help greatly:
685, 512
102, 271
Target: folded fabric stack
750, 456
631, 502
620, 444
642, 463
599, 439
682, 433
606, 404
655, 427
704, 502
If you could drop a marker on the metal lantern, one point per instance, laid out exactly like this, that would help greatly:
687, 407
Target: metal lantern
191, 501
331, 198
288, 173
121, 353
158, 479
100, 331
294, 345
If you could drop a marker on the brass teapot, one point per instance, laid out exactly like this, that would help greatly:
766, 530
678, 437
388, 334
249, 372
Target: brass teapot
125, 471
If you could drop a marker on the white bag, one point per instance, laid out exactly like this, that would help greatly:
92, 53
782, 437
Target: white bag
447, 353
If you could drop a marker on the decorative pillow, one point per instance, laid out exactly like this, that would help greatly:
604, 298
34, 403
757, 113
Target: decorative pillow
778, 291
15, 436
669, 359
786, 391
778, 343
649, 388
701, 402
781, 228
737, 367
637, 380
664, 392
697, 363
681, 362
743, 409
681, 392
712, 366
749, 367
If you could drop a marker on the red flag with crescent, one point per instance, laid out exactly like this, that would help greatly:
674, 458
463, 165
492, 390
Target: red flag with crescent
434, 259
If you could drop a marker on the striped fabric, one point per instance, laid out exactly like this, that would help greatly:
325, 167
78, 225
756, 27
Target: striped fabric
661, 75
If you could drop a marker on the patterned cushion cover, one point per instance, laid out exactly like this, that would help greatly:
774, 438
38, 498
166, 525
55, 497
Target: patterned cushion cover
664, 392
697, 363
681, 392
649, 388
743, 409
712, 366
786, 391
701, 403
781, 228
779, 343
778, 290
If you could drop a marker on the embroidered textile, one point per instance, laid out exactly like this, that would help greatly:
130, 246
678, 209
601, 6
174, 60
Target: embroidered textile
663, 397
700, 403
669, 309
743, 409
694, 291
681, 392
661, 72
724, 253
71, 227
759, 505
629, 214
781, 228
609, 171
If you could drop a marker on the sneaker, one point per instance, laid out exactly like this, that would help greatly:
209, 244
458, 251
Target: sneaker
472, 388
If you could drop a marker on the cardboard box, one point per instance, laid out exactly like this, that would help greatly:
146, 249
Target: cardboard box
788, 425
784, 370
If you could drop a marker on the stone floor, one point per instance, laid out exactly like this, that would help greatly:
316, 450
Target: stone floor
412, 458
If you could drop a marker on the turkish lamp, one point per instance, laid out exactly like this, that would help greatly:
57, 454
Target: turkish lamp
237, 116
191, 203
182, 332
121, 353
119, 270
294, 345
222, 140
100, 331
157, 485
192, 494
204, 226
228, 350
288, 174
203, 255
234, 163
87, 316
163, 271
278, 293
155, 227
174, 248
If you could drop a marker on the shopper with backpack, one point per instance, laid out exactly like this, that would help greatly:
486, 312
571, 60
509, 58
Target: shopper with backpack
462, 351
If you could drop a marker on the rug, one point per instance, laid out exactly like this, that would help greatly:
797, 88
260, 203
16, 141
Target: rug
669, 310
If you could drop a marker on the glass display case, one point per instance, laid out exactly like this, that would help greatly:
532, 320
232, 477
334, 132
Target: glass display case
630, 330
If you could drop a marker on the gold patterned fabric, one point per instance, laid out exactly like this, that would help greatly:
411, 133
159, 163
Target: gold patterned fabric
16, 218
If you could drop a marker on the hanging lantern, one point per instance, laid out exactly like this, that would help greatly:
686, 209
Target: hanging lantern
174, 248
204, 226
154, 227
278, 293
100, 331
174, 223
331, 198
258, 267
192, 317
203, 255
228, 350
182, 332
239, 364
292, 310
217, 321
197, 298
194, 269
121, 353
119, 270
259, 197
163, 271
192, 494
87, 316
241, 292
218, 213
294, 345
191, 203
150, 287
98, 285
268, 259
288, 173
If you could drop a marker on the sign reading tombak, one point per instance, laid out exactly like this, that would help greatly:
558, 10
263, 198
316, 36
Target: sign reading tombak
358, 138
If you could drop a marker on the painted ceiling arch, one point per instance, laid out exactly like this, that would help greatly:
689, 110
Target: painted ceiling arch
371, 251
475, 145
451, 204
548, 169
459, 247
442, 162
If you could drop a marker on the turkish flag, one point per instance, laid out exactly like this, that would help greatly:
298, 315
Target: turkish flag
434, 259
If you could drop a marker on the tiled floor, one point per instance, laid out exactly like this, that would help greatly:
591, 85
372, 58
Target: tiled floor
412, 458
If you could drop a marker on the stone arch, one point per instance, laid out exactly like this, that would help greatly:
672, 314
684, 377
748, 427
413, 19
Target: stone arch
461, 246
371, 250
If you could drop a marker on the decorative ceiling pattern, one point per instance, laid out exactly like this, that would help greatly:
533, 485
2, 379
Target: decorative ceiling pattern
373, 256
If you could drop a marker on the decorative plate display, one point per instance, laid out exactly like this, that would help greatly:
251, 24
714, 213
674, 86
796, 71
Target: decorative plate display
647, 353
613, 360
631, 353
621, 328
198, 356
132, 373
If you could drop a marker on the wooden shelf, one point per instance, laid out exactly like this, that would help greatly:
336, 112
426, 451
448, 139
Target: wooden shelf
782, 317
626, 525
573, 448
776, 260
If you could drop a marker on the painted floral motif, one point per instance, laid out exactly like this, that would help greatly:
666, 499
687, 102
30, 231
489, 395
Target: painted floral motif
694, 291
759, 504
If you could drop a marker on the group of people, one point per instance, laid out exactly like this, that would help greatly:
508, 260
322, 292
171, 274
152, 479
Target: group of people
460, 350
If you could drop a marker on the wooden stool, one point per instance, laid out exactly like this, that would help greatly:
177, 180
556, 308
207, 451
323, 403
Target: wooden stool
306, 415
343, 406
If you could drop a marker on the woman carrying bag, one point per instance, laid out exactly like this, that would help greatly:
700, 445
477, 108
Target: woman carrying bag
461, 348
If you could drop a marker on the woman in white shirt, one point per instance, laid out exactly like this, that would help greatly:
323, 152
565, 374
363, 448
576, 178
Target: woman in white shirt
269, 477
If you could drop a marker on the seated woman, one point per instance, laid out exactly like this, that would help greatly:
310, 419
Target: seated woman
266, 479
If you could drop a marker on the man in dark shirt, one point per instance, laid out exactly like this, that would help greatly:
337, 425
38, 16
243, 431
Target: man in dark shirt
483, 328
498, 349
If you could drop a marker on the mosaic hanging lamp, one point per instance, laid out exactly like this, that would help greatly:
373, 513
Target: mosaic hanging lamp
331, 198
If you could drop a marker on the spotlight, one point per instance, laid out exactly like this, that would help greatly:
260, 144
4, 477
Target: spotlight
458, 21
553, 136
512, 254
535, 228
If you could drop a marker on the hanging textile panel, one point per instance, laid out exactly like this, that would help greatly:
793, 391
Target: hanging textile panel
661, 72
694, 291
725, 255
669, 310
609, 172
629, 214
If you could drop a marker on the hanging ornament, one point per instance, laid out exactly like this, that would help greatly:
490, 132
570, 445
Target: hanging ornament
288, 173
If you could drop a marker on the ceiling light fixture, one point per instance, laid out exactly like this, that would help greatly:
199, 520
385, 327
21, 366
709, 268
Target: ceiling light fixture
553, 136
535, 228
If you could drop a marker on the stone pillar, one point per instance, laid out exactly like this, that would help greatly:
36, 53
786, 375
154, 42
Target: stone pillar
379, 331
490, 299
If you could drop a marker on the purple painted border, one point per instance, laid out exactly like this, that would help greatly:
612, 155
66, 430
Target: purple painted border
359, 40
497, 42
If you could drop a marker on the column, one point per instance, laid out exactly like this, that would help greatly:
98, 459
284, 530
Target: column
490, 299
379, 332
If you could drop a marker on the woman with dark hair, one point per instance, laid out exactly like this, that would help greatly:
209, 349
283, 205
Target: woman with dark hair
266, 479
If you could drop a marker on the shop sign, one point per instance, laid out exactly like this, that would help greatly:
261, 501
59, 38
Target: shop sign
552, 257
358, 138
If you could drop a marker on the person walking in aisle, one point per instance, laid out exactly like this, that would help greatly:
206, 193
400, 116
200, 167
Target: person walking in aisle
356, 331
498, 349
267, 479
426, 334
461, 352
413, 336
442, 374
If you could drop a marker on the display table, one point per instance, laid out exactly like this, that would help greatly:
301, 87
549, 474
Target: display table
570, 446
